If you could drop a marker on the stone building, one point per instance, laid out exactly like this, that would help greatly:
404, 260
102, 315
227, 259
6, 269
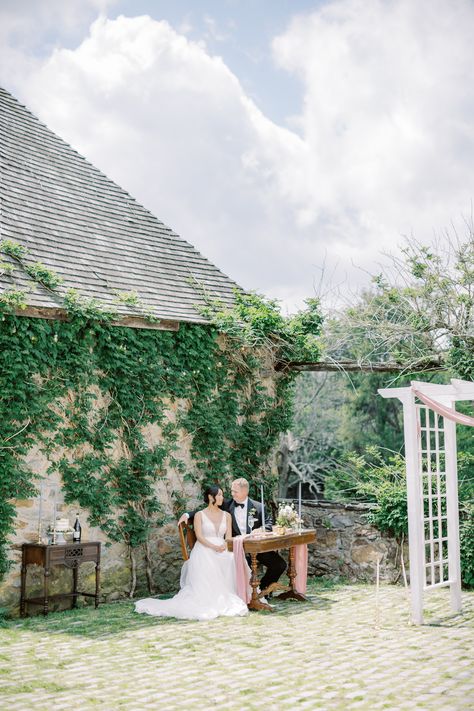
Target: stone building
101, 242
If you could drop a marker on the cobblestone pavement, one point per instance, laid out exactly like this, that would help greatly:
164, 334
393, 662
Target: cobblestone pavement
336, 651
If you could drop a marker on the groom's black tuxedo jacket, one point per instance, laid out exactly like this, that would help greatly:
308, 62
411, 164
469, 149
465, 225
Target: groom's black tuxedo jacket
229, 505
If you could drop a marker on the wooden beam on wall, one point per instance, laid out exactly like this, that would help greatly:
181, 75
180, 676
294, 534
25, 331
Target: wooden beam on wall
354, 366
56, 314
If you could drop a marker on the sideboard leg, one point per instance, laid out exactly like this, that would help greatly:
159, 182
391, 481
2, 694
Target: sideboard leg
74, 586
97, 584
46, 574
23, 584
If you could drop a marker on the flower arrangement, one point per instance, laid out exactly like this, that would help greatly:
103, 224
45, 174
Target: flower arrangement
252, 518
288, 516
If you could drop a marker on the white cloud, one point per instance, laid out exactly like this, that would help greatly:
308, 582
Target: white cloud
384, 142
29, 31
387, 119
173, 126
214, 31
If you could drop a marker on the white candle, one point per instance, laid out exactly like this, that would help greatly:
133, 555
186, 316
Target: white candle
299, 500
263, 508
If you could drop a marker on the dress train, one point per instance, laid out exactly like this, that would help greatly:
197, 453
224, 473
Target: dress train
208, 585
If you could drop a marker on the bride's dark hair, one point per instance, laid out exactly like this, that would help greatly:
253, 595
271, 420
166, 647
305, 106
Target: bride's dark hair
211, 490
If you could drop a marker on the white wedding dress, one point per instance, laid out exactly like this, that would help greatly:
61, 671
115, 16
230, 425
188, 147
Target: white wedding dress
208, 588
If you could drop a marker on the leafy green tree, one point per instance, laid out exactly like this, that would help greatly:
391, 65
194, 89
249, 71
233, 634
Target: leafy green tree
419, 315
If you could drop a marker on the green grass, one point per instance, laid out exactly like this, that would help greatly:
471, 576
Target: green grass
106, 620
113, 618
32, 687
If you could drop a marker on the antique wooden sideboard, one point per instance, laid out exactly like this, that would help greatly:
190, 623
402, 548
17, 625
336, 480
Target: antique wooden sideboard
70, 555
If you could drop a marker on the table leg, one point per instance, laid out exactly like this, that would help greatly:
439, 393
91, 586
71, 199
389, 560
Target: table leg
255, 603
74, 586
46, 574
292, 593
97, 583
23, 585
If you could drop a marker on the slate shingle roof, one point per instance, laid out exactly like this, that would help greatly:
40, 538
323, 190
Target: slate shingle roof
75, 220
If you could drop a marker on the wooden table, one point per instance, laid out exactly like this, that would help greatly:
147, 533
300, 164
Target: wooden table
255, 544
71, 555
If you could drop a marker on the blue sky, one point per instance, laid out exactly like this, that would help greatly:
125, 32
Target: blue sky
241, 31
286, 139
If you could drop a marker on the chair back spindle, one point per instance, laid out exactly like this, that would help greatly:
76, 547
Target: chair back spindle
187, 539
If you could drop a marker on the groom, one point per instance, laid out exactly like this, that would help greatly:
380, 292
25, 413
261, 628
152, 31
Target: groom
239, 507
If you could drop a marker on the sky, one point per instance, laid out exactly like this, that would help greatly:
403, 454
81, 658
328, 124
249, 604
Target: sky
295, 143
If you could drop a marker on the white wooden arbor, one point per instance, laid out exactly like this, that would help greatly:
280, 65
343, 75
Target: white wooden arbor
432, 485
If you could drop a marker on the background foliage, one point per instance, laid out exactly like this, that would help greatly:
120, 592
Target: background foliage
350, 440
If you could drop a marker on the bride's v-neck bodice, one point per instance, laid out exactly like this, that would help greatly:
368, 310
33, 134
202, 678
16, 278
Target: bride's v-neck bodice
209, 528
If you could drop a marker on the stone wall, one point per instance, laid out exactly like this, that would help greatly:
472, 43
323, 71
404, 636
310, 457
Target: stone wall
115, 558
116, 565
347, 545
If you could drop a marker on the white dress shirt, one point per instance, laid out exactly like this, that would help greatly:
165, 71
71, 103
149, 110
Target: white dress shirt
240, 514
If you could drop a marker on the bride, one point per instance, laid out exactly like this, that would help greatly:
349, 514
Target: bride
208, 587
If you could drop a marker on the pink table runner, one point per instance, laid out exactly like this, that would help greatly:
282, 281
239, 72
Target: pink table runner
242, 570
301, 568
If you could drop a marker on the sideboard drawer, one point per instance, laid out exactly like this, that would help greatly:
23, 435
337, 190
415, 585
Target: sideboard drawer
56, 555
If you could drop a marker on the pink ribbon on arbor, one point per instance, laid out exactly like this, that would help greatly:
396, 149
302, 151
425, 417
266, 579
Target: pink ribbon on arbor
444, 410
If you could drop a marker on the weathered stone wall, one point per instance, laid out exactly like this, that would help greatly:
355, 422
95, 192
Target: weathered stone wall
115, 562
116, 565
347, 545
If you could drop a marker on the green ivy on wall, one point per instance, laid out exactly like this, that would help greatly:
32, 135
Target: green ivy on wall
87, 392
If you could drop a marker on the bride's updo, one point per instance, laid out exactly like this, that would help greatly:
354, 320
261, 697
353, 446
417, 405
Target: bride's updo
211, 490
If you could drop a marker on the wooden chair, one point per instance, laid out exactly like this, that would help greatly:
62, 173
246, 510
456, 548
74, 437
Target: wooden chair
187, 538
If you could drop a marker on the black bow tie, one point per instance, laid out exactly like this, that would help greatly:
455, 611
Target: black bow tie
239, 504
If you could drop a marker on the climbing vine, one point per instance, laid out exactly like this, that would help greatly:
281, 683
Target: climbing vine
90, 394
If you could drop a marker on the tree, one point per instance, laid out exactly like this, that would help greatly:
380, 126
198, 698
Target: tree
418, 314
420, 311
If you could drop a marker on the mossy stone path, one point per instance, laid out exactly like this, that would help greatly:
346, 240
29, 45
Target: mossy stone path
336, 651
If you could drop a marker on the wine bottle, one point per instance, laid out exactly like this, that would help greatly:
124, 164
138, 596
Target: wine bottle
76, 536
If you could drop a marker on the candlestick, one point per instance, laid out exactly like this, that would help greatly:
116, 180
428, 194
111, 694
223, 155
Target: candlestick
40, 511
263, 507
299, 504
54, 518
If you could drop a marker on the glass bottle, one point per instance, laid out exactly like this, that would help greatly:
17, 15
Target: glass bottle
76, 536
